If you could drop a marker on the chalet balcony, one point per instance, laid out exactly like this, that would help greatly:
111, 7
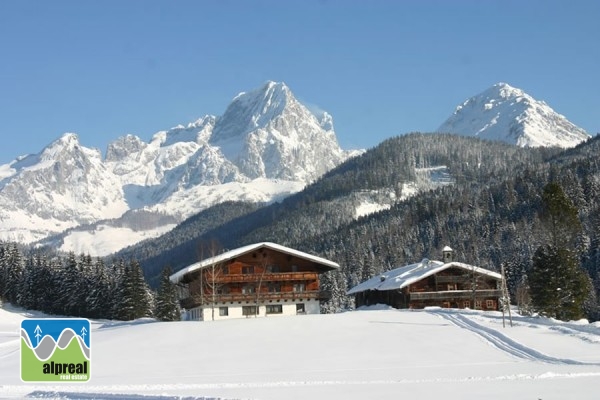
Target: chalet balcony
267, 277
455, 294
453, 279
194, 301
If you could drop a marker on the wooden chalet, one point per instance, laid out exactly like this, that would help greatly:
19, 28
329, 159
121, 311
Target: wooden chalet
446, 284
262, 279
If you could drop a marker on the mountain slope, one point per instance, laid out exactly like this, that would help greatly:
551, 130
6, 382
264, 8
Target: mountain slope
264, 147
397, 171
63, 186
489, 214
505, 113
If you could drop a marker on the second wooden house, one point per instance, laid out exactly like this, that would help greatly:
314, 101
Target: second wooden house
447, 284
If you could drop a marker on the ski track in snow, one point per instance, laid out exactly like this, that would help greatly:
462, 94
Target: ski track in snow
504, 343
586, 332
133, 391
579, 333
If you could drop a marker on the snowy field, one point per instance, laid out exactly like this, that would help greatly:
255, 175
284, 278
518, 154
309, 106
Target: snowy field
367, 354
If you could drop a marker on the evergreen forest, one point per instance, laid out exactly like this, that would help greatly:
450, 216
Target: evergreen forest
503, 207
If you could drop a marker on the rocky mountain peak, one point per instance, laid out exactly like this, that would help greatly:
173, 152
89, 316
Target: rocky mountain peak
252, 110
124, 146
508, 114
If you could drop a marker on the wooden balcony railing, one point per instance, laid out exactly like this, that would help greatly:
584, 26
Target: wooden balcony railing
194, 301
455, 294
266, 277
453, 279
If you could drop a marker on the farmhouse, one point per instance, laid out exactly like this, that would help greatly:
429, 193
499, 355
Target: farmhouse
447, 284
262, 279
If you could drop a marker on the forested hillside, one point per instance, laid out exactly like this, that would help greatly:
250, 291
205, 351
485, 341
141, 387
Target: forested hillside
489, 214
488, 223
327, 207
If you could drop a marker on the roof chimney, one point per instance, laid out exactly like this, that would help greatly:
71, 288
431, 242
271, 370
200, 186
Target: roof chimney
447, 254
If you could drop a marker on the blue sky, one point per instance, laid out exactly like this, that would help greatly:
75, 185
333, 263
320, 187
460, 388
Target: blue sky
103, 69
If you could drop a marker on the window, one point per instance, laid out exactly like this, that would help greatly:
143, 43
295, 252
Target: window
274, 309
274, 287
248, 269
452, 286
300, 308
248, 289
273, 268
248, 310
490, 304
466, 304
299, 287
225, 270
223, 290
223, 311
294, 268
478, 304
195, 314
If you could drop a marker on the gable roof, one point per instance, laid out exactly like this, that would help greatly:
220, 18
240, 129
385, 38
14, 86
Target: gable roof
231, 254
401, 277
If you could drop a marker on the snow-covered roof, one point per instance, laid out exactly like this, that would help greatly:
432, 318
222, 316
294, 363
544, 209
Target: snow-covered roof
176, 277
401, 277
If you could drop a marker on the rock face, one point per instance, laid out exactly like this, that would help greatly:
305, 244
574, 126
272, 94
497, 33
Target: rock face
266, 145
505, 113
267, 133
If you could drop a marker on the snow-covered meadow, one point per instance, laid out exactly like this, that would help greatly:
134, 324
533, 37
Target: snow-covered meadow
366, 354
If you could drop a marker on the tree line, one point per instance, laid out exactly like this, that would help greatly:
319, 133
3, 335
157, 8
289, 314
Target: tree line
81, 286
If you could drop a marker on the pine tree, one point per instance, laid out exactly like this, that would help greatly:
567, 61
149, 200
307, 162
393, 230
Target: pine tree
44, 289
560, 216
71, 285
2, 271
167, 307
135, 299
559, 286
333, 284
99, 295
143, 296
28, 291
117, 289
12, 274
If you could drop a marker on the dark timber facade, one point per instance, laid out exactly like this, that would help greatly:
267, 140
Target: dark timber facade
432, 283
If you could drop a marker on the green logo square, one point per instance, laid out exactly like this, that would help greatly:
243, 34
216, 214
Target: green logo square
55, 350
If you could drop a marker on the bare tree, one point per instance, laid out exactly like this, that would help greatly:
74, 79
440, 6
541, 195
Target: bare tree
265, 265
211, 282
523, 297
472, 281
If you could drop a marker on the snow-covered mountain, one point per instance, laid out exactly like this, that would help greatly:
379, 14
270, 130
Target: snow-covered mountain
508, 114
265, 146
280, 137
